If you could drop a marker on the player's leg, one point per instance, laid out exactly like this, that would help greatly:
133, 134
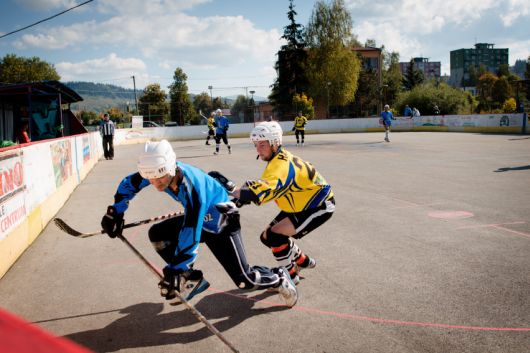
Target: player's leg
229, 250
217, 143
302, 132
297, 134
225, 141
164, 239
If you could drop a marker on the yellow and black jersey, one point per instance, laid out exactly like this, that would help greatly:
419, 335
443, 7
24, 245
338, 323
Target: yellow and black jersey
294, 184
299, 122
211, 122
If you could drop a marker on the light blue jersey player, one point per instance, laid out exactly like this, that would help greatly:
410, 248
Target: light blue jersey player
386, 120
209, 217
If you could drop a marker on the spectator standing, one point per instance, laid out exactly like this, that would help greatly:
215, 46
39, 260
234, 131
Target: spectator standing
106, 129
436, 110
407, 112
415, 112
23, 136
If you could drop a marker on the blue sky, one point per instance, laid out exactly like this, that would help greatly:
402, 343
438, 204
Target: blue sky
231, 44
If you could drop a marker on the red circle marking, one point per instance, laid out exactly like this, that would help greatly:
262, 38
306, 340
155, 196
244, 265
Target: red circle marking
450, 214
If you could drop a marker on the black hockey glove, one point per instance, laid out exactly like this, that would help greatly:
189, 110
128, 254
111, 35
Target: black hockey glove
112, 222
293, 128
228, 184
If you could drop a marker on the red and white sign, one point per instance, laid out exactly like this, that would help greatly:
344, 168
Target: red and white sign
12, 205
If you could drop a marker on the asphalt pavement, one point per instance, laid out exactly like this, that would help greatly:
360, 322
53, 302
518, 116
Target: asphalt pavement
428, 251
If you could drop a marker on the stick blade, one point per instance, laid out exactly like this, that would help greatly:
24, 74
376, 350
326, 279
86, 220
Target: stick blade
66, 228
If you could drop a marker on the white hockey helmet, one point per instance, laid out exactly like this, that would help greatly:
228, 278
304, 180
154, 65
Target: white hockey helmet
157, 160
219, 111
267, 131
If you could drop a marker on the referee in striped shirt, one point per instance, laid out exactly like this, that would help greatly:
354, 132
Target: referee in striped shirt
106, 129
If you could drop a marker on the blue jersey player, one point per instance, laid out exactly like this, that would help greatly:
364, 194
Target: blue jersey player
209, 217
386, 120
222, 124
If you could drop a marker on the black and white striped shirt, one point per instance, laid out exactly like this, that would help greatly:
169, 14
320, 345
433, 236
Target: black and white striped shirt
106, 128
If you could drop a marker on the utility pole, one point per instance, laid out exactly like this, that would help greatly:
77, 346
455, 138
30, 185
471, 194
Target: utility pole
135, 99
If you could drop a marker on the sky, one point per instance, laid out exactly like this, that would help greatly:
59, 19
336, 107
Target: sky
231, 45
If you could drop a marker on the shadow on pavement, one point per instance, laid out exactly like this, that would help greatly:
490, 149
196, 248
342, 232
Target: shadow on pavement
145, 325
506, 169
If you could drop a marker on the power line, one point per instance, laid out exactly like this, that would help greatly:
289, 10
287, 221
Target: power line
46, 19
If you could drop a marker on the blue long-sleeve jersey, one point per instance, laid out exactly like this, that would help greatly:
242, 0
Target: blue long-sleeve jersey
222, 124
198, 193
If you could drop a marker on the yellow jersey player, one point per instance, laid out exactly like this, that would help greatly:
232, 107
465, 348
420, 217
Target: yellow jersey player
303, 196
299, 128
211, 127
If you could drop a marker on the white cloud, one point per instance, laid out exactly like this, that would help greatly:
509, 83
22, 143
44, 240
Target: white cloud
515, 9
97, 69
161, 31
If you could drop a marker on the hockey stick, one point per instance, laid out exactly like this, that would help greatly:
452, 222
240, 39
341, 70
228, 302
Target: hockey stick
201, 114
67, 229
194, 311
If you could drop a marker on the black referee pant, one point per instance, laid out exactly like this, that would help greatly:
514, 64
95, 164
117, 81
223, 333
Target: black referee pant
108, 146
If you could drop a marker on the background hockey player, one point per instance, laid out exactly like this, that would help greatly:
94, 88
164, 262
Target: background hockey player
222, 124
211, 127
386, 120
209, 217
305, 199
299, 128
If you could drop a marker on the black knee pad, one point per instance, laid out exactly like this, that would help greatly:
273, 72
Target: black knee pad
273, 239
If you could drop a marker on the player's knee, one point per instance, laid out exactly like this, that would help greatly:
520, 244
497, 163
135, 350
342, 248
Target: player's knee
272, 239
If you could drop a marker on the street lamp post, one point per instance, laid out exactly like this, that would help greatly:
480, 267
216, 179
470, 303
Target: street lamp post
327, 89
211, 96
252, 106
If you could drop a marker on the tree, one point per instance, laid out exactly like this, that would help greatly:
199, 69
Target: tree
333, 67
413, 76
15, 69
392, 77
304, 104
243, 105
152, 103
501, 91
181, 108
425, 96
291, 65
203, 102
485, 90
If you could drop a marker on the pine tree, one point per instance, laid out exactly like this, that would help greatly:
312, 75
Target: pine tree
413, 76
290, 66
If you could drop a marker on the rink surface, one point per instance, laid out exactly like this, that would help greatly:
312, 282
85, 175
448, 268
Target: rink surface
428, 251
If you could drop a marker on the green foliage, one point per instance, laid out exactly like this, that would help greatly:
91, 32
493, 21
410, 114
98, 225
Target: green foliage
88, 117
392, 78
368, 95
203, 102
333, 68
15, 69
181, 108
330, 26
413, 76
509, 106
152, 103
425, 96
304, 104
243, 105
291, 65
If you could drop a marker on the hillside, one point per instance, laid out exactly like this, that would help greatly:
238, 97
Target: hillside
99, 97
